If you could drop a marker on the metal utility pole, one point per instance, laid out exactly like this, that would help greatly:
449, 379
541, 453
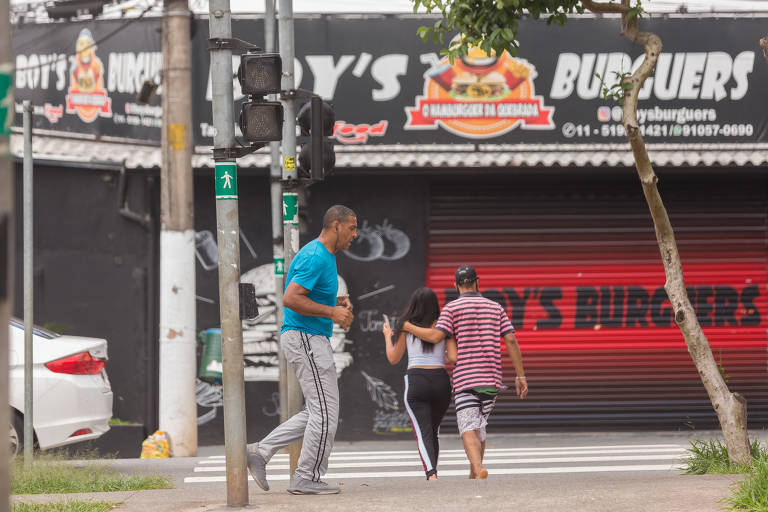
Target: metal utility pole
29, 285
290, 197
275, 175
228, 235
6, 232
178, 406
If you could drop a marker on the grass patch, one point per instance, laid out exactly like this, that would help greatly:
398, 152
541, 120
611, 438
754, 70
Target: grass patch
118, 421
752, 493
65, 506
712, 457
52, 474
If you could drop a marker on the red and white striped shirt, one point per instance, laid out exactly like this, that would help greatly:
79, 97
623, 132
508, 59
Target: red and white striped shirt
477, 324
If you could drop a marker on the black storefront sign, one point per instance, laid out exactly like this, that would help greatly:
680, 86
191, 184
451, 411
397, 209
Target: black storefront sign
388, 87
83, 77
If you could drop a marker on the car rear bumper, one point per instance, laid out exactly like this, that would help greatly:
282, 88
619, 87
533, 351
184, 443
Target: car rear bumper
95, 416
66, 404
98, 429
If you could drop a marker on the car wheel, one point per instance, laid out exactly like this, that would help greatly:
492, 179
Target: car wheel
16, 434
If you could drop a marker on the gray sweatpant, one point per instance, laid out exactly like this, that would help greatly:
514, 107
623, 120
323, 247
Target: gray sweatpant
311, 357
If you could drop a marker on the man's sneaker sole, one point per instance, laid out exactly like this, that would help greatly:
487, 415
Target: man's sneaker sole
262, 483
264, 487
313, 492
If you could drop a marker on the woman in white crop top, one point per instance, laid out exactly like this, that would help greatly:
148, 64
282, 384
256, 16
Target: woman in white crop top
427, 384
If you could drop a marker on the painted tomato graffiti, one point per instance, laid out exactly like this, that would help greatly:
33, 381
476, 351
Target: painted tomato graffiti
382, 241
394, 240
368, 246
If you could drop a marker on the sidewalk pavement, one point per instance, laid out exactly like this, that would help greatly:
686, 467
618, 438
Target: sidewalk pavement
656, 491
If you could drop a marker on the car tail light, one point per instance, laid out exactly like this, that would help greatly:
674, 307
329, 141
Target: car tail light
79, 364
81, 432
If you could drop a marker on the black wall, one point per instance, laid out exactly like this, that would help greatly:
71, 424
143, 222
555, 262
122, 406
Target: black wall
94, 272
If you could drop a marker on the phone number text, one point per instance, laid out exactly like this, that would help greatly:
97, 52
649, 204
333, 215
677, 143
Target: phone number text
571, 130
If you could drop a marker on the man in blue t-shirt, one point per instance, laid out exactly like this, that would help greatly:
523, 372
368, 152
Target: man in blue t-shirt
311, 306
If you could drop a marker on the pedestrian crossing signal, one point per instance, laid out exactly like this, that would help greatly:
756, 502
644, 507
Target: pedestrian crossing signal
259, 75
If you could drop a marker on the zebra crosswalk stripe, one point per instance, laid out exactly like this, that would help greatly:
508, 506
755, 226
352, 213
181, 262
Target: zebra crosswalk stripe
500, 461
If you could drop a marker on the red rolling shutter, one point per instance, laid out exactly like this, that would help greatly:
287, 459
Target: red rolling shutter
578, 269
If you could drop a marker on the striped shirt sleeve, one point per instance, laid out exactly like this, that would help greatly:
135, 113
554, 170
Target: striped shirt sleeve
445, 321
505, 326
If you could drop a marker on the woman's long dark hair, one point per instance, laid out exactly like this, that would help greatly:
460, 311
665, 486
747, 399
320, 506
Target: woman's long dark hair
422, 310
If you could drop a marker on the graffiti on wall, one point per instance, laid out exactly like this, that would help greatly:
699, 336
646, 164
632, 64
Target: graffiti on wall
380, 392
389, 418
207, 251
379, 242
260, 343
208, 395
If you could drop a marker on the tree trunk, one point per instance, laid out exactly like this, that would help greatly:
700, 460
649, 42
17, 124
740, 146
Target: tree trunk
731, 408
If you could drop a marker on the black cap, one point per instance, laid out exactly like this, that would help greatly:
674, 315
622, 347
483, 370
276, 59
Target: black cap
465, 274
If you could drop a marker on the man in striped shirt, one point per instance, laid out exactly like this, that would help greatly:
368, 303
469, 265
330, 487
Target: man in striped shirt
477, 324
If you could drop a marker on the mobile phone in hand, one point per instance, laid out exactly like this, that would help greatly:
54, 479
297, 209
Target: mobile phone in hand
386, 320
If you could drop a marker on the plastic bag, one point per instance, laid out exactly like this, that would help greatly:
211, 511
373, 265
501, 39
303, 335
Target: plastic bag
156, 446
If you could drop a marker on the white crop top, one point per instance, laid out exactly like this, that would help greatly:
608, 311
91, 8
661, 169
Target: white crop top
417, 356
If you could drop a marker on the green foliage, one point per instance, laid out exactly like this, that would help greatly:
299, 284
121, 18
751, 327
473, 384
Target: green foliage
618, 89
65, 506
58, 328
752, 493
493, 24
712, 457
721, 368
53, 474
118, 421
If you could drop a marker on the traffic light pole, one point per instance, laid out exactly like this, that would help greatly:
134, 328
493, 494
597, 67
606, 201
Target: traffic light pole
6, 233
275, 175
29, 285
228, 237
290, 200
177, 405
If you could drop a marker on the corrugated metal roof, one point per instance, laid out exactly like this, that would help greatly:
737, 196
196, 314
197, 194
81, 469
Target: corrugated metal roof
138, 156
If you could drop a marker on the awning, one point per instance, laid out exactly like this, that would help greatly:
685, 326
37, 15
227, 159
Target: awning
465, 156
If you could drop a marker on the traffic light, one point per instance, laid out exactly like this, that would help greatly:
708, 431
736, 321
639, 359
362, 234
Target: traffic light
259, 75
316, 119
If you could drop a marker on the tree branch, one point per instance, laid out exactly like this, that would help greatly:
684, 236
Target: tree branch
604, 7
652, 45
764, 46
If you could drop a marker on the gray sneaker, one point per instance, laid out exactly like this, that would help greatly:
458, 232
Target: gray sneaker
302, 486
257, 466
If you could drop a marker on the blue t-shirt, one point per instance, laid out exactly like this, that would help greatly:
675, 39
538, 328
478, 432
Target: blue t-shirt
314, 268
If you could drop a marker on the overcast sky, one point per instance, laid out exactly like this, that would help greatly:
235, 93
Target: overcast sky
387, 6
404, 6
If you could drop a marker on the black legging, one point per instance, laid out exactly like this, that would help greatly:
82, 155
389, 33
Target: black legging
427, 395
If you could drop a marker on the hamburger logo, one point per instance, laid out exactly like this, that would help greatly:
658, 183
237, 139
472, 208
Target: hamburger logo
480, 96
87, 96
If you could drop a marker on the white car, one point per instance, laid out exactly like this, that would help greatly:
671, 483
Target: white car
72, 397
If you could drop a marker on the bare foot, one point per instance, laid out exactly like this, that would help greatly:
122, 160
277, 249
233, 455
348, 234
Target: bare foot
482, 474
432, 477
